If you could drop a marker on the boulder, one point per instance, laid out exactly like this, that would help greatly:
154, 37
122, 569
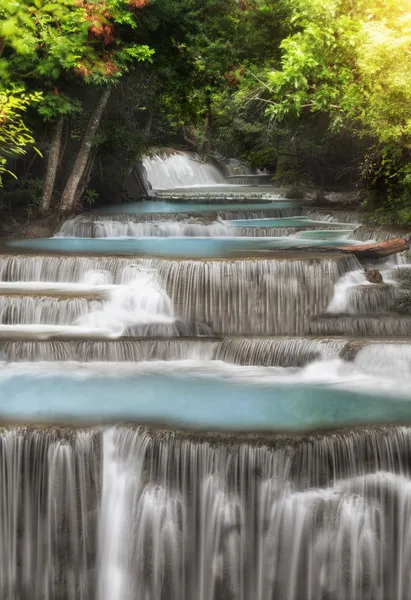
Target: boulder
373, 276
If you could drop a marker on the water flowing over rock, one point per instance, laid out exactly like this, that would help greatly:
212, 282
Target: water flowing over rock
283, 352
333, 216
257, 297
367, 234
128, 513
262, 340
189, 228
180, 169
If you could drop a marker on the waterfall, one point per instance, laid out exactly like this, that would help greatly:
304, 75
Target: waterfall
100, 225
189, 228
393, 325
48, 510
180, 169
368, 234
126, 513
257, 297
353, 294
279, 352
332, 216
103, 350
283, 352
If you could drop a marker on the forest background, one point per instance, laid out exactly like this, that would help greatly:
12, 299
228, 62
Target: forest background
316, 92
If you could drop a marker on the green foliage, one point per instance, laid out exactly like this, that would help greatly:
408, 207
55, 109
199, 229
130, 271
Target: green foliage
349, 62
47, 51
14, 134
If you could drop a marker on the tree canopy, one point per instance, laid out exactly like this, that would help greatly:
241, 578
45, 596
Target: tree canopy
313, 90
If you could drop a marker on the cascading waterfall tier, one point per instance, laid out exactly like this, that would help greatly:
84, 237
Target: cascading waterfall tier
127, 513
282, 352
102, 224
278, 352
111, 351
256, 297
84, 228
332, 216
175, 169
360, 308
226, 194
392, 326
380, 234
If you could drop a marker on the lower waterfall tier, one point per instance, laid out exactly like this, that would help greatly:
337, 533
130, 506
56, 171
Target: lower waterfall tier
126, 513
281, 352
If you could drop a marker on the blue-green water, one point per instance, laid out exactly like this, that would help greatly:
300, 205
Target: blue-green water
201, 402
277, 222
194, 207
324, 234
177, 247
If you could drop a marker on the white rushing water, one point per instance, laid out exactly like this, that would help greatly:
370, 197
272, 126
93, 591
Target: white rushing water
233, 297
354, 294
378, 369
142, 301
180, 169
128, 514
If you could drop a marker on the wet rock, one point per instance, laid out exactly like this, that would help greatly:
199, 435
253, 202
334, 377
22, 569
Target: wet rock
294, 193
350, 350
373, 276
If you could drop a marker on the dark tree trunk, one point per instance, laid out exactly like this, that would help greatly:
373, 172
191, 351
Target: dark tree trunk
52, 165
208, 125
85, 179
70, 192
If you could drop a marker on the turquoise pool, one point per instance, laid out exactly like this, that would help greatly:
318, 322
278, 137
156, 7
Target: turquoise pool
176, 247
154, 207
191, 400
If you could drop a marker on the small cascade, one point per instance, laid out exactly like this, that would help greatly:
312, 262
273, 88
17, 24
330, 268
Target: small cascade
82, 227
189, 228
111, 351
282, 352
44, 310
96, 225
227, 194
257, 297
368, 234
180, 169
111, 228
385, 360
353, 294
360, 308
128, 513
332, 216
361, 325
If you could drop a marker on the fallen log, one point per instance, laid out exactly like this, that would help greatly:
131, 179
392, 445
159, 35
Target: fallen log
378, 249
374, 250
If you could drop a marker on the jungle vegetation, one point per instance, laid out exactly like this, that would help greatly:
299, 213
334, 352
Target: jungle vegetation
317, 92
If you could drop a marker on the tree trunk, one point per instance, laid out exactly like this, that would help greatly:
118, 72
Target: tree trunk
208, 125
70, 191
52, 165
149, 123
85, 179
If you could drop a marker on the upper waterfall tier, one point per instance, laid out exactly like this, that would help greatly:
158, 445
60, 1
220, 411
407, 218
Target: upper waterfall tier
180, 169
260, 297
